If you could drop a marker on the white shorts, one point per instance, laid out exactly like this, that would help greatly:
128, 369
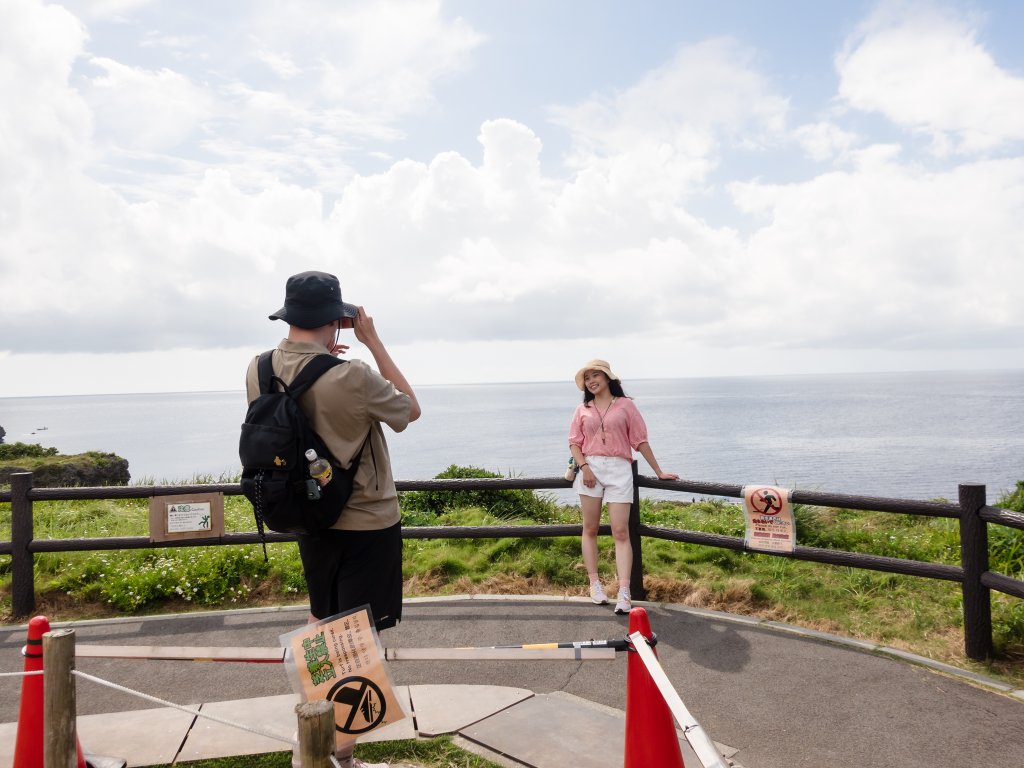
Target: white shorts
614, 479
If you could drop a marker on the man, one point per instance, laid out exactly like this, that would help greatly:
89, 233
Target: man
359, 560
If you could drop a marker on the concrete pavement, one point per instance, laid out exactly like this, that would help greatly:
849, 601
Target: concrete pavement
770, 695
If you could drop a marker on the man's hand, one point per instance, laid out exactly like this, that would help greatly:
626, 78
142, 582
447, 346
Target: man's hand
366, 333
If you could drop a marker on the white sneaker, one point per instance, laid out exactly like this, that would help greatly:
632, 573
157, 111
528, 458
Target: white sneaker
597, 595
624, 604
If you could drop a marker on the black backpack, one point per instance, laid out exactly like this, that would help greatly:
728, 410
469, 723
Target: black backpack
272, 447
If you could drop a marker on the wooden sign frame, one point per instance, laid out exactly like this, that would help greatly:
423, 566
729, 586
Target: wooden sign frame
172, 518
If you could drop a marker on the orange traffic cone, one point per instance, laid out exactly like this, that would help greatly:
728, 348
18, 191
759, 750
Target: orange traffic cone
28, 744
650, 730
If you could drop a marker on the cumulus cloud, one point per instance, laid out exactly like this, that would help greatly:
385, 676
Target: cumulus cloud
44, 121
666, 132
148, 111
885, 255
924, 69
135, 197
161, 202
267, 94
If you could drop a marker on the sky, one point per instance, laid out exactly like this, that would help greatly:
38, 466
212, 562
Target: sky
510, 188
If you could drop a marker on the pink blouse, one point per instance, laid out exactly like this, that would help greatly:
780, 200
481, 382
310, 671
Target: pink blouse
624, 429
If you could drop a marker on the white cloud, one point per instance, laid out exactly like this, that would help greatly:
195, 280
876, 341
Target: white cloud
824, 140
886, 255
379, 59
668, 128
925, 70
151, 111
160, 202
43, 123
281, 64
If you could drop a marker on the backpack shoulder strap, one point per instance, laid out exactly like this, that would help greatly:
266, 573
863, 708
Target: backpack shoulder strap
312, 371
265, 371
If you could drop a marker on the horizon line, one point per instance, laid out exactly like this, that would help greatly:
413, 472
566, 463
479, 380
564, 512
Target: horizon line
559, 381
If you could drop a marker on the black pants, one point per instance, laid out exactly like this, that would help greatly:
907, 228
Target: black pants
348, 569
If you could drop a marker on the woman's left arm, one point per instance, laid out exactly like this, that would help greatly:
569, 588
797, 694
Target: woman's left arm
644, 449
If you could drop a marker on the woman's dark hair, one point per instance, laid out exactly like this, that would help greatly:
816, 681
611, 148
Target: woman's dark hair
614, 386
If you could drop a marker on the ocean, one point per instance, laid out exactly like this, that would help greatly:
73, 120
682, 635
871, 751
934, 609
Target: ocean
904, 435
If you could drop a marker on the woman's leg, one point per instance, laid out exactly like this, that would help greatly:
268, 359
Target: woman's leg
618, 514
590, 506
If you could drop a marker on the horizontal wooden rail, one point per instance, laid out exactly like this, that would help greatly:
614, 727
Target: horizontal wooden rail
1004, 584
1002, 516
122, 491
815, 498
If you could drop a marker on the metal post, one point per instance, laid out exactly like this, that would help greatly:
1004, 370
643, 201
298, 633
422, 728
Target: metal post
23, 587
974, 560
60, 741
636, 576
316, 733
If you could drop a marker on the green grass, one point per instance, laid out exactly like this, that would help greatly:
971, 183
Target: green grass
916, 614
440, 752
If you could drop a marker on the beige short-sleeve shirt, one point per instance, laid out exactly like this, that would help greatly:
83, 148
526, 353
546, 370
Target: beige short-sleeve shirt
344, 403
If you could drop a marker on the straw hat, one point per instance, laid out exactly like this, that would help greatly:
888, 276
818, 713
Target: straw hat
595, 365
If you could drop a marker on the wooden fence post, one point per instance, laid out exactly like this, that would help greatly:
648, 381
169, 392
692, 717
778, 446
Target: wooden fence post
974, 560
60, 742
636, 576
23, 587
316, 733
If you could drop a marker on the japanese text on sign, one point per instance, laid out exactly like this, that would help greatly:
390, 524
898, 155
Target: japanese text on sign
769, 518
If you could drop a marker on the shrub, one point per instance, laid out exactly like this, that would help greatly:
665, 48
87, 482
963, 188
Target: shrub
54, 470
500, 503
10, 451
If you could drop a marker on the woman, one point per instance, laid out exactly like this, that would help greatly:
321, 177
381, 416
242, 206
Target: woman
605, 430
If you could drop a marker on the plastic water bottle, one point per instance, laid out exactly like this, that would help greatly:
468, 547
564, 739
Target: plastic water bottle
319, 469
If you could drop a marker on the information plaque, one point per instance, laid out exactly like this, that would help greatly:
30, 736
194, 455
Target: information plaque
186, 516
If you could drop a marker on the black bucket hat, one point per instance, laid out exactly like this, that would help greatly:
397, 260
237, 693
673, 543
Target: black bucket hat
313, 299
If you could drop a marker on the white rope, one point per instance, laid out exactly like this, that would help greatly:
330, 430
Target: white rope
698, 739
155, 700
197, 713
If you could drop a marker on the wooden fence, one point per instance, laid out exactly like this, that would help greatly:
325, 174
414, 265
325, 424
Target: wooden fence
973, 513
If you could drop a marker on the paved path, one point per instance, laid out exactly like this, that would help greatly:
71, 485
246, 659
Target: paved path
779, 696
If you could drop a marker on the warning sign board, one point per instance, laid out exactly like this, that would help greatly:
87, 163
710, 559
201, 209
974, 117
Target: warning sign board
769, 517
340, 659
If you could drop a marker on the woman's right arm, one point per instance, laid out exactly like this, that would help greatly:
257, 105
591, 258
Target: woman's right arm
576, 447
